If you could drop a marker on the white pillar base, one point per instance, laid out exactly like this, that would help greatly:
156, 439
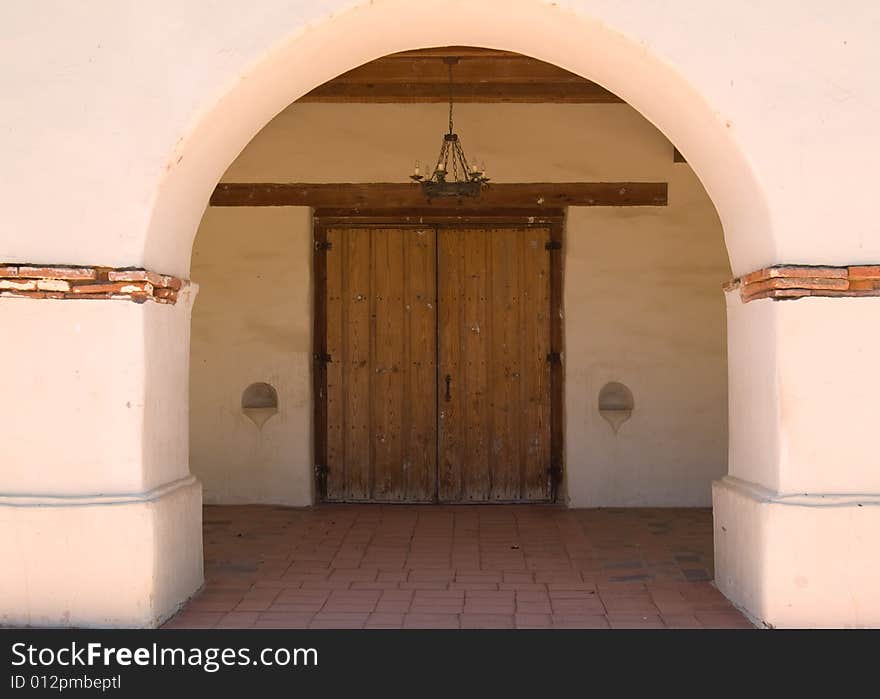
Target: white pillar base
102, 561
798, 560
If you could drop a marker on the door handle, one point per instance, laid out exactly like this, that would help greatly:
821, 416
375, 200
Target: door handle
448, 384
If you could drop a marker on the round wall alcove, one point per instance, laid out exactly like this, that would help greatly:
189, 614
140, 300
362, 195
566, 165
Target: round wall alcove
259, 402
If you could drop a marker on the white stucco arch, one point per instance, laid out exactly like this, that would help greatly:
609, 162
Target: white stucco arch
249, 95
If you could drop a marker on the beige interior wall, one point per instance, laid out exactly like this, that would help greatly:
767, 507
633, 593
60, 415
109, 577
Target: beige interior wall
643, 297
644, 306
252, 322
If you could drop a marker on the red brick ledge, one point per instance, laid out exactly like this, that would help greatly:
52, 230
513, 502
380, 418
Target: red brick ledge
78, 282
782, 282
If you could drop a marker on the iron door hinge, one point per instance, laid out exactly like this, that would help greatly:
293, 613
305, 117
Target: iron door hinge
554, 358
323, 245
554, 473
553, 245
323, 357
321, 472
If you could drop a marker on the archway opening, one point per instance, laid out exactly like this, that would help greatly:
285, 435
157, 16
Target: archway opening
640, 302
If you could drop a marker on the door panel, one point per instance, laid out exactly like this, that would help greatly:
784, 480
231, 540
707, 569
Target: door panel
381, 378
349, 370
494, 298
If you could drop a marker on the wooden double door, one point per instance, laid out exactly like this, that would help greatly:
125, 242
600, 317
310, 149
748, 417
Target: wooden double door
436, 363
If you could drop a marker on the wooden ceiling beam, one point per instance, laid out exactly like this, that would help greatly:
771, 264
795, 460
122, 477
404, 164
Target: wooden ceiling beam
515, 69
458, 51
567, 93
402, 195
478, 76
439, 214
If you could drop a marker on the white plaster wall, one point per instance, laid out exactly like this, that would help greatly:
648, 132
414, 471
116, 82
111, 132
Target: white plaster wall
89, 415
805, 421
74, 391
753, 390
798, 519
100, 518
643, 298
798, 560
158, 98
100, 561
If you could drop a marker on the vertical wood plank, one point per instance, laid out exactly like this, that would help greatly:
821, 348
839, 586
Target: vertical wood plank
336, 435
535, 395
389, 349
319, 369
504, 368
557, 370
356, 387
476, 331
451, 450
420, 372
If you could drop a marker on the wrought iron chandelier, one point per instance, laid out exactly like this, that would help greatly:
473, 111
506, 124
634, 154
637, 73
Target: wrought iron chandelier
452, 176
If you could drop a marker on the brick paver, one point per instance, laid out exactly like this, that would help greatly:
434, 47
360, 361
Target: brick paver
492, 566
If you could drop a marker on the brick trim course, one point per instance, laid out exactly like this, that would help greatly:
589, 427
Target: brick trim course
79, 282
779, 282
782, 282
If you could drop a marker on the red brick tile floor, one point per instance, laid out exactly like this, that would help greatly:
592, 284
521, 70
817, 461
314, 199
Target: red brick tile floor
489, 566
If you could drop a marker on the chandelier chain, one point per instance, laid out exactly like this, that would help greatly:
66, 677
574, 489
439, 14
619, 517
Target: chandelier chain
449, 65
